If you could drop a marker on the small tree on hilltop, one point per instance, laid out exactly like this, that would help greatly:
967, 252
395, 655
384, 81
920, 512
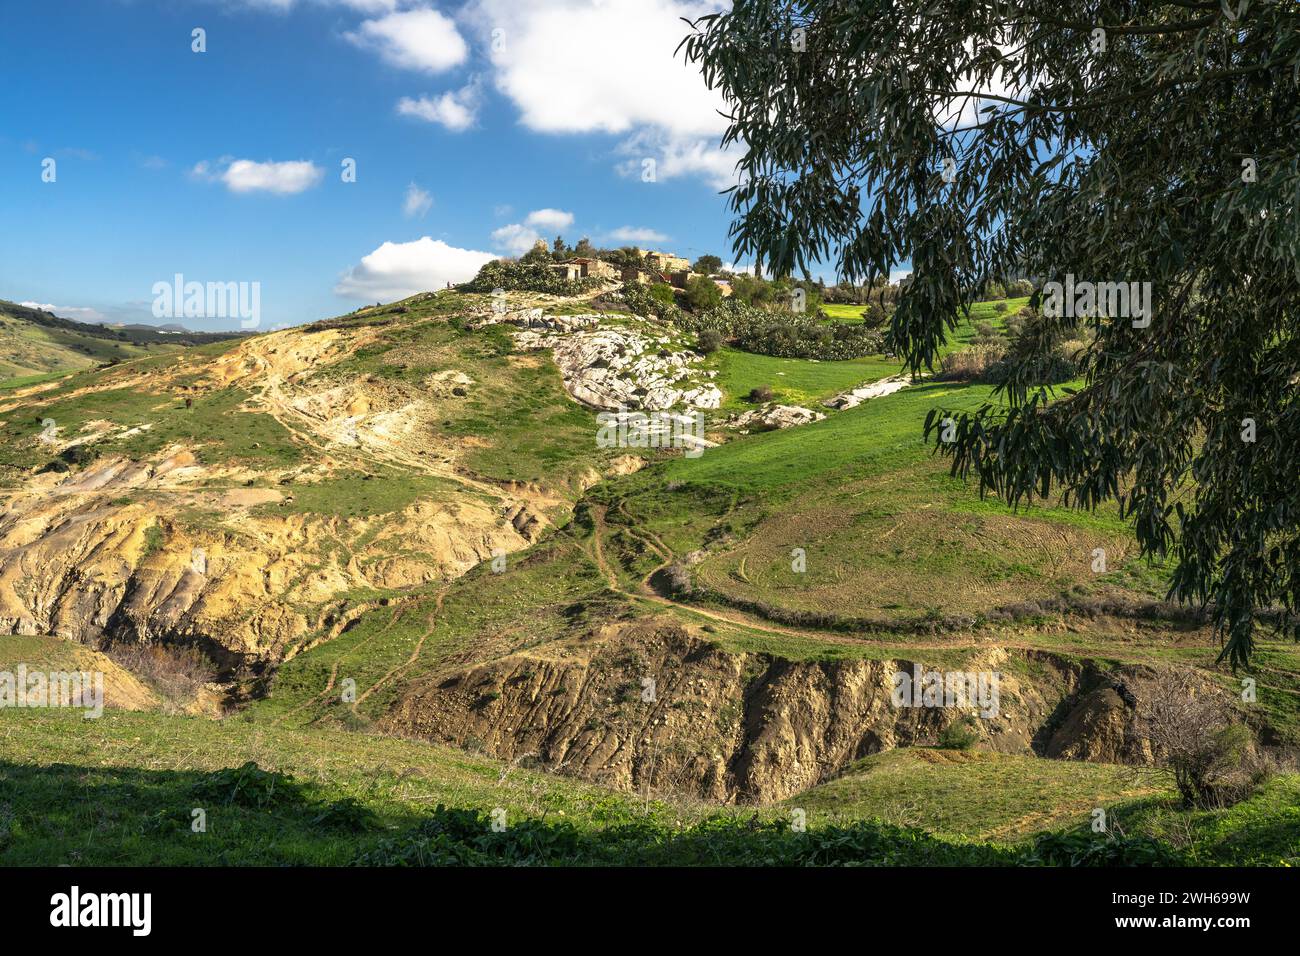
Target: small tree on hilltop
707, 265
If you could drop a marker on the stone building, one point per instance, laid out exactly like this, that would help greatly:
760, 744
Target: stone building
666, 263
584, 268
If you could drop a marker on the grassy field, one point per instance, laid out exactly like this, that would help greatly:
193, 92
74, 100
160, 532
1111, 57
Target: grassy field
794, 381
29, 353
124, 790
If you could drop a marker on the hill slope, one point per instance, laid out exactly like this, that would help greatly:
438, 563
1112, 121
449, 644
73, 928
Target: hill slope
401, 523
35, 344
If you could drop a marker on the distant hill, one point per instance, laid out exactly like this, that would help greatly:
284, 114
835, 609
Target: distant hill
36, 343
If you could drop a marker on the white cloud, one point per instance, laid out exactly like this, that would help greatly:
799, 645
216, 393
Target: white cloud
516, 239
632, 234
568, 66
573, 66
455, 110
67, 311
246, 176
284, 6
422, 39
398, 269
550, 219
417, 202
676, 156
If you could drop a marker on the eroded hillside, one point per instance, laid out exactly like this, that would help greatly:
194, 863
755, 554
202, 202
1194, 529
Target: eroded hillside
243, 498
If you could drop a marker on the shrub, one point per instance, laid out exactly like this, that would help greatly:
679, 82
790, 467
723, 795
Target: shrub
79, 456
662, 293
969, 364
710, 341
763, 393
1040, 353
873, 316
959, 735
1000, 307
1198, 743
248, 786
176, 672
702, 293
522, 276
676, 579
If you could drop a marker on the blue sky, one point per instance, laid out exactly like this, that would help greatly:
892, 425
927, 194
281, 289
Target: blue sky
472, 124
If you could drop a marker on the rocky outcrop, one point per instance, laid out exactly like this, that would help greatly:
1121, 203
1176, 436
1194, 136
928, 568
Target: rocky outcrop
856, 396
613, 367
653, 707
771, 417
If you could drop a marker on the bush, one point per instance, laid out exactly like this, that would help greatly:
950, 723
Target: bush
959, 735
1040, 353
784, 334
663, 293
874, 317
710, 341
1198, 742
675, 579
525, 277
1082, 847
248, 786
703, 294
985, 330
781, 334
177, 673
762, 393
1000, 307
79, 456
970, 364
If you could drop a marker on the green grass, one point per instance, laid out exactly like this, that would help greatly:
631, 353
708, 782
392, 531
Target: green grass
794, 381
123, 790
30, 353
974, 794
362, 496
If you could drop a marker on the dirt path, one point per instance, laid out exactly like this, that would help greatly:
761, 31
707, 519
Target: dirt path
646, 594
431, 623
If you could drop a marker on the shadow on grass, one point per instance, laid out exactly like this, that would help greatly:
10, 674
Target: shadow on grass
246, 816
76, 815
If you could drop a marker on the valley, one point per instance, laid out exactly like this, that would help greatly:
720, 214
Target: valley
384, 557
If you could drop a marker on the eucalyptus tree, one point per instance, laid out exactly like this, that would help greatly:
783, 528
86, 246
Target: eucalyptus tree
1139, 162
